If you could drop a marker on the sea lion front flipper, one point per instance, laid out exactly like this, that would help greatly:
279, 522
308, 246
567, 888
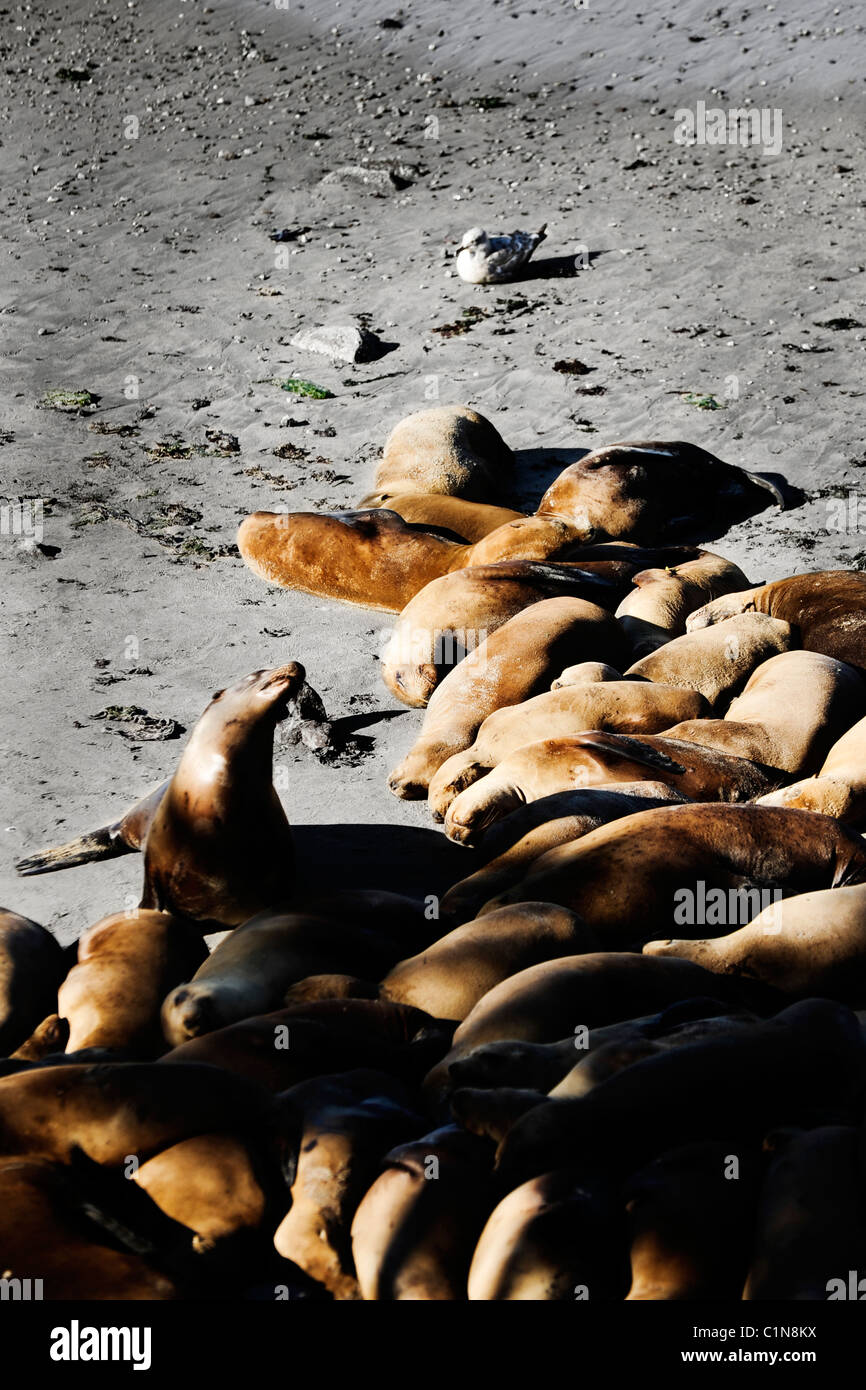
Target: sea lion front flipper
623, 746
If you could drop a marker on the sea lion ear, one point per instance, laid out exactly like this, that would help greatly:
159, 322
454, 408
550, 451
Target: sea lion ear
217, 695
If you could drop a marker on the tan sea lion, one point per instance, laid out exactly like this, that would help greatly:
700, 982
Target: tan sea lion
828, 609
415, 1231
454, 516
115, 1110
655, 610
52, 1035
32, 966
813, 944
838, 788
450, 976
514, 662
458, 612
208, 1183
546, 1001
811, 1224
219, 848
127, 962
49, 1245
793, 708
559, 819
447, 448
807, 1062
249, 972
691, 1215
585, 673
598, 760
717, 661
634, 879
652, 490
617, 707
556, 1237
345, 1125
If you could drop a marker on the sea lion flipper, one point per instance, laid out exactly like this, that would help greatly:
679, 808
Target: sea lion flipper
766, 482
621, 745
105, 843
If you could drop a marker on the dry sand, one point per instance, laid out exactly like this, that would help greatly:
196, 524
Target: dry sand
149, 150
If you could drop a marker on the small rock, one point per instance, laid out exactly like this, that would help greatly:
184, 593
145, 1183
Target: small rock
344, 342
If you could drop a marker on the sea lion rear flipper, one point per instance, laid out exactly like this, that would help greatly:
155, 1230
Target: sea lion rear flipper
622, 746
105, 843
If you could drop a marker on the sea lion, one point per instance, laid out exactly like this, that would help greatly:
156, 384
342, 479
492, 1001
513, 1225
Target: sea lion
32, 966
514, 662
793, 708
585, 673
546, 1001
616, 707
50, 1037
633, 879
719, 660
249, 972
811, 1225
654, 490
316, 987
813, 944
46, 1237
415, 1231
805, 1064
345, 1124
691, 1214
115, 1110
828, 609
655, 610
448, 448
838, 788
219, 848
559, 819
556, 1237
453, 517
448, 978
458, 612
209, 1183
127, 962
600, 760
308, 1039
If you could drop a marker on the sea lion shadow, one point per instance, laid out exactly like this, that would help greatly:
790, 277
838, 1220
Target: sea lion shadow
399, 858
536, 469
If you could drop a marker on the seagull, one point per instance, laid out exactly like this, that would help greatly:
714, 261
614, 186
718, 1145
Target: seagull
483, 259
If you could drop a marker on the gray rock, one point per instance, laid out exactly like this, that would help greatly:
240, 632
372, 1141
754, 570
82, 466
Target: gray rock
379, 178
344, 342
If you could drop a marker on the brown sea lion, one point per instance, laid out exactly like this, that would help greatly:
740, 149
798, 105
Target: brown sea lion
453, 516
655, 610
600, 760
127, 963
308, 1039
219, 848
208, 1183
51, 1036
828, 609
691, 1215
540, 826
804, 1064
556, 1237
616, 707
654, 490
447, 448
345, 1125
811, 1223
48, 1244
458, 612
838, 788
813, 944
115, 1110
249, 972
632, 880
585, 673
546, 1001
415, 1231
32, 966
604, 1060
448, 978
514, 662
719, 660
793, 708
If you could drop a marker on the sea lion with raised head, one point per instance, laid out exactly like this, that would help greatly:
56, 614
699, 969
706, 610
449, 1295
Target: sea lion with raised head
127, 963
514, 662
635, 879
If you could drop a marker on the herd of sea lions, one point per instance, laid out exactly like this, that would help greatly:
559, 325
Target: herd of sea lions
622, 1058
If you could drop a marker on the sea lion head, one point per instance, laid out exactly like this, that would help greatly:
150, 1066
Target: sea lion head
265, 693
